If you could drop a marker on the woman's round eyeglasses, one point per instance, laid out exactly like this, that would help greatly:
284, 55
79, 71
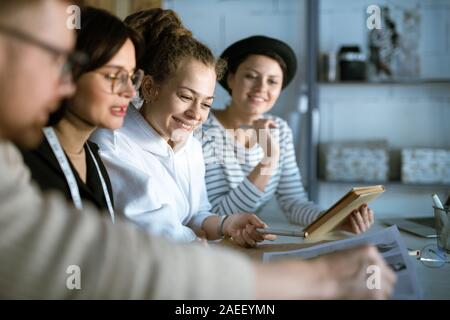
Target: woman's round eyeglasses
119, 79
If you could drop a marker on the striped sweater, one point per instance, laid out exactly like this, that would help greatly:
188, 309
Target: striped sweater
228, 165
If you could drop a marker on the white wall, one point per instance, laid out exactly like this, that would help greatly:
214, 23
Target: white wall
220, 23
416, 115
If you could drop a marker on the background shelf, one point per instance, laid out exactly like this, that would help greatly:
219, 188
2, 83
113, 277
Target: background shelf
388, 82
395, 183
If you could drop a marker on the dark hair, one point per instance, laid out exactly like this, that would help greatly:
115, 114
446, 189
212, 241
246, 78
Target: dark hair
101, 36
233, 65
167, 42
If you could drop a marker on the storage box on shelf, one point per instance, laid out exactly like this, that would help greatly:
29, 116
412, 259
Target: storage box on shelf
357, 161
425, 165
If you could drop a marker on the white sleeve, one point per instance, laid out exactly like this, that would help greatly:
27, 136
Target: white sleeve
133, 197
204, 210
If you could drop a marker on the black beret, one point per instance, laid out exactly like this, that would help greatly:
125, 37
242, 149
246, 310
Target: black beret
238, 51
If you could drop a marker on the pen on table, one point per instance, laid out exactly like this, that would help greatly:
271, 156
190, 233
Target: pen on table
281, 232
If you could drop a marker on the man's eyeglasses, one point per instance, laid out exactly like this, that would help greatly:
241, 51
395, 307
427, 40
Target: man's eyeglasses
119, 79
71, 59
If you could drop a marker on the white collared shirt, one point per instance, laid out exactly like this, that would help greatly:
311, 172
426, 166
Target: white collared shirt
159, 189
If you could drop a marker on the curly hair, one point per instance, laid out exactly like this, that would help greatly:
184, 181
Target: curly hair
167, 42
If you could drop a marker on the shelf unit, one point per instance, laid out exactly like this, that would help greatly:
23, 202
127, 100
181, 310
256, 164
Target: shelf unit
387, 82
314, 180
395, 183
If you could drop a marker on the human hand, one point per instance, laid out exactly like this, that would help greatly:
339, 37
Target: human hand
359, 220
201, 237
340, 275
241, 227
349, 271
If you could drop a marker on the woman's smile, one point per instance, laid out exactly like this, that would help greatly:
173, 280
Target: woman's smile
183, 124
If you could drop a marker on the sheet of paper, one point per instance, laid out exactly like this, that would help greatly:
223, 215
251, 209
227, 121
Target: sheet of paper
390, 245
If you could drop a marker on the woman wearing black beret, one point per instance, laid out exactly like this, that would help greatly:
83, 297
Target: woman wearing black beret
249, 154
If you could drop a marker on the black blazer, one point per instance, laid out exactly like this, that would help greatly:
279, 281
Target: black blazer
46, 171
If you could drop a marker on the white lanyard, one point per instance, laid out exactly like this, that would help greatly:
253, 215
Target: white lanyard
70, 178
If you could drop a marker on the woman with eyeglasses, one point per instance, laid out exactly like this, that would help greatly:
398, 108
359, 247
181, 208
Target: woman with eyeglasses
155, 164
105, 84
